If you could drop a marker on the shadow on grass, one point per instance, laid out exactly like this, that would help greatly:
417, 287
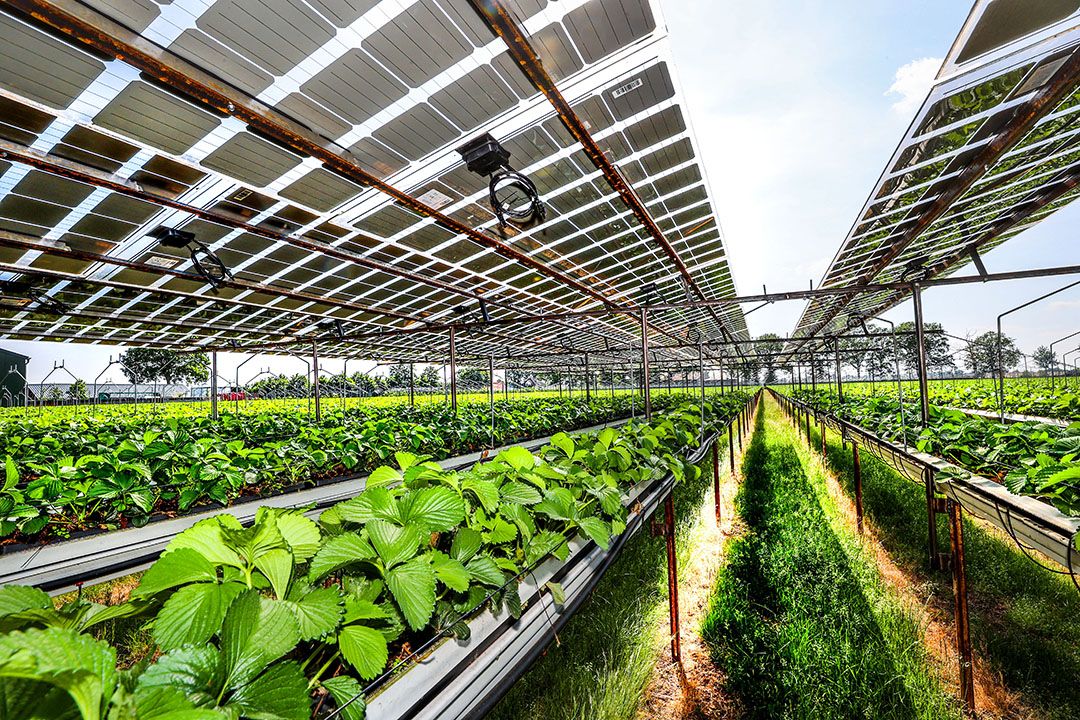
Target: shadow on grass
789, 621
1025, 621
607, 652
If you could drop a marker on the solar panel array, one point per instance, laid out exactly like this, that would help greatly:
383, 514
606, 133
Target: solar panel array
394, 86
994, 149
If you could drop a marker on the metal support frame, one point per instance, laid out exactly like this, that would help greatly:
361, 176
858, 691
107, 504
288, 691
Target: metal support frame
412, 385
453, 369
213, 385
588, 389
491, 396
920, 344
839, 379
316, 385
960, 605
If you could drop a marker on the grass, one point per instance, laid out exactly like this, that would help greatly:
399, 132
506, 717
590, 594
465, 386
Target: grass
1024, 619
801, 622
609, 648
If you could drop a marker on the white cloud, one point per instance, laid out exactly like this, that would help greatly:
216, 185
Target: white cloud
912, 82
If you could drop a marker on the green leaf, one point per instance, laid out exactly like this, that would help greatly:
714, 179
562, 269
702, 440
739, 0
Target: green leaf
501, 532
193, 614
517, 457
413, 588
256, 632
195, 670
176, 567
83, 667
543, 544
484, 569
466, 544
557, 592
301, 534
365, 649
318, 613
339, 551
205, 538
450, 572
435, 509
17, 598
382, 475
605, 437
521, 518
485, 491
394, 544
374, 502
348, 694
280, 693
11, 474
565, 443
520, 493
597, 530
277, 566
254, 542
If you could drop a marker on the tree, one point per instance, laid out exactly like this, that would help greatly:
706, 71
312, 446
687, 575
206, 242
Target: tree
935, 342
146, 365
768, 347
399, 375
473, 377
77, 391
429, 378
1044, 358
981, 354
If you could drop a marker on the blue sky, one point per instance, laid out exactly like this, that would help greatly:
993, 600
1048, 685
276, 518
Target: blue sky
797, 106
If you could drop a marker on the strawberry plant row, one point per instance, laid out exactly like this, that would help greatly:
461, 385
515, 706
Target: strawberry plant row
270, 620
84, 473
1029, 458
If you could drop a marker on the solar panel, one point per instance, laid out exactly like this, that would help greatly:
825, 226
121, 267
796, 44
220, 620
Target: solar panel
993, 150
102, 153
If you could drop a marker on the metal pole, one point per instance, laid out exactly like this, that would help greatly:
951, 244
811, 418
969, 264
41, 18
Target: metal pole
588, 389
701, 374
453, 370
857, 463
491, 396
963, 632
839, 380
315, 375
412, 386
213, 385
673, 577
920, 342
645, 362
731, 448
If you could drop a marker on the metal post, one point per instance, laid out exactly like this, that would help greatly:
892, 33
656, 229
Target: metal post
857, 464
931, 515
315, 375
673, 577
491, 396
839, 380
731, 448
920, 342
963, 633
588, 389
824, 446
453, 370
412, 386
213, 385
716, 480
701, 373
645, 363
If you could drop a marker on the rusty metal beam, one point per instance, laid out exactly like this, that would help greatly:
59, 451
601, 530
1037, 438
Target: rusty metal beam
500, 21
90, 29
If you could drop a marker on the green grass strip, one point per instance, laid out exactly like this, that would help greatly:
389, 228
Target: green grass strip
800, 621
609, 648
1025, 620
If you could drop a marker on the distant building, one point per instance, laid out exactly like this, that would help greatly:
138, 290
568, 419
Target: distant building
12, 378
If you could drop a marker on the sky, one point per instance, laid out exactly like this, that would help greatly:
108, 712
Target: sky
797, 106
